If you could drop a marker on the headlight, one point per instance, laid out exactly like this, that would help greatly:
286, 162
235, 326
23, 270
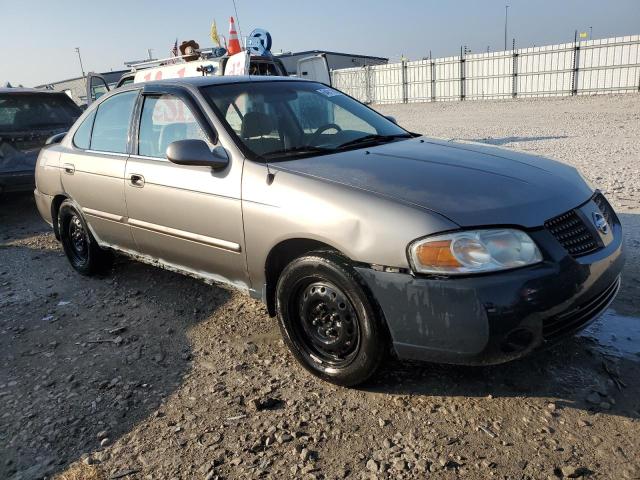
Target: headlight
475, 251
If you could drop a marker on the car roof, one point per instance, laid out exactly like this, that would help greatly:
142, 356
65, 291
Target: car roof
206, 81
30, 90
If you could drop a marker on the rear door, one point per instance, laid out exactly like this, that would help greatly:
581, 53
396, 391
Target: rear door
315, 68
93, 168
187, 216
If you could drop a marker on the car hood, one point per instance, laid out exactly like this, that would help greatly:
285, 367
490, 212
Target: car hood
470, 183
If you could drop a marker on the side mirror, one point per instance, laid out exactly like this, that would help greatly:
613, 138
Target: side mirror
197, 153
57, 138
391, 119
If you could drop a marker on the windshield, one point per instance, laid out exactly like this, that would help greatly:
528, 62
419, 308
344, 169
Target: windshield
33, 111
278, 120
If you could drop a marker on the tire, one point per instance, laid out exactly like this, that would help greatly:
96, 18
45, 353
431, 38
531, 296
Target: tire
81, 248
329, 320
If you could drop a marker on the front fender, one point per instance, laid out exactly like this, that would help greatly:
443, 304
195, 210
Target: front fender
365, 227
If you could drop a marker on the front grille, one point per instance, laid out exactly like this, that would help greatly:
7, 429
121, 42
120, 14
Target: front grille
577, 317
572, 233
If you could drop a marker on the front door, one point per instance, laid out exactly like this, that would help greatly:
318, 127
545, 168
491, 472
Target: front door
96, 87
93, 168
187, 216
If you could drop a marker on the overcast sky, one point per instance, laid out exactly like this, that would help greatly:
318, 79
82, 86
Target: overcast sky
38, 37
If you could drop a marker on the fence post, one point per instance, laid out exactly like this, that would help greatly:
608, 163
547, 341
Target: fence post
367, 84
433, 81
462, 75
574, 73
514, 86
405, 86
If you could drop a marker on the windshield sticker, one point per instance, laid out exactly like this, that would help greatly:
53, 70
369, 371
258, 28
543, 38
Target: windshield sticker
328, 92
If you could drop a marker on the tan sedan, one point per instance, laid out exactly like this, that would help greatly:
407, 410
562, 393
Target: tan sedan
361, 237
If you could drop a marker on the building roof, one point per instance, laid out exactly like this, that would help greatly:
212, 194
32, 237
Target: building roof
318, 52
114, 72
28, 90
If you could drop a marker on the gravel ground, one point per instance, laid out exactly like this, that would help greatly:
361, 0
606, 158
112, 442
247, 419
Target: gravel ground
146, 374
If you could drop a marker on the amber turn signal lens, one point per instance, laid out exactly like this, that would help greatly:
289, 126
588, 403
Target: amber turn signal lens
437, 254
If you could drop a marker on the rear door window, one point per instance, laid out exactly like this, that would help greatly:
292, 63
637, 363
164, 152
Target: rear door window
166, 119
111, 125
82, 137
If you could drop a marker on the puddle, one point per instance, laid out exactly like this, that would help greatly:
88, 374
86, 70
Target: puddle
615, 334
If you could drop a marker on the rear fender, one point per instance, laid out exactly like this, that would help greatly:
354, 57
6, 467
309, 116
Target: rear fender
48, 181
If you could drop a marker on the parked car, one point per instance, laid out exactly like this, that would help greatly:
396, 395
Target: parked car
28, 117
362, 237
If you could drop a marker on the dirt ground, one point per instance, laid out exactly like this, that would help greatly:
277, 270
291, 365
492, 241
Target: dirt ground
146, 374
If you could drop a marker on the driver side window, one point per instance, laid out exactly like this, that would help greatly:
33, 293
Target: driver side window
166, 119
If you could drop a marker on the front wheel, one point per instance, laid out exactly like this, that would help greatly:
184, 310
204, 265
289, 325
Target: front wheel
81, 248
328, 320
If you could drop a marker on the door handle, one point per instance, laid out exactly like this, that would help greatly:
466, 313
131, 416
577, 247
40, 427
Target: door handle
69, 168
136, 180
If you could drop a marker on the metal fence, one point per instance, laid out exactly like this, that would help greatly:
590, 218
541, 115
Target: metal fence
609, 65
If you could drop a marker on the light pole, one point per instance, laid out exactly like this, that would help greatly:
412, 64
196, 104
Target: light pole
80, 58
506, 21
235, 9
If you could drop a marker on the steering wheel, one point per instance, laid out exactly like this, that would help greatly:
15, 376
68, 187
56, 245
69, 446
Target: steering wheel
323, 129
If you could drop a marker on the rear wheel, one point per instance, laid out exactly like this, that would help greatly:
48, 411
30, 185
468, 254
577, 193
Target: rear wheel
328, 319
81, 248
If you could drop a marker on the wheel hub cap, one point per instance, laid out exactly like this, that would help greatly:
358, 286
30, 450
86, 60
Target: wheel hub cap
329, 321
78, 236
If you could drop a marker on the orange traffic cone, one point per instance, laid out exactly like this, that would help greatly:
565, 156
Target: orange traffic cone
234, 44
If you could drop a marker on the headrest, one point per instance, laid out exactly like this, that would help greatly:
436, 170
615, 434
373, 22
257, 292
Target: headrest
171, 133
256, 124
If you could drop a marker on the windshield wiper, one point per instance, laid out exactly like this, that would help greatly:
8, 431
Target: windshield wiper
373, 138
297, 151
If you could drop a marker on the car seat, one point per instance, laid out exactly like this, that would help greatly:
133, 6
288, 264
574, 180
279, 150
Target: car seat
254, 130
171, 133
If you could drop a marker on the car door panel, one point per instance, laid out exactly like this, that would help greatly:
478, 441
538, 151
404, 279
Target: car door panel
315, 68
186, 216
105, 212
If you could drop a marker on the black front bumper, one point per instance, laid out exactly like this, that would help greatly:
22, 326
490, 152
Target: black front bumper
23, 181
497, 317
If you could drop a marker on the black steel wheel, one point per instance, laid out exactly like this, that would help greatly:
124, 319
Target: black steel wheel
329, 320
82, 250
78, 240
329, 327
